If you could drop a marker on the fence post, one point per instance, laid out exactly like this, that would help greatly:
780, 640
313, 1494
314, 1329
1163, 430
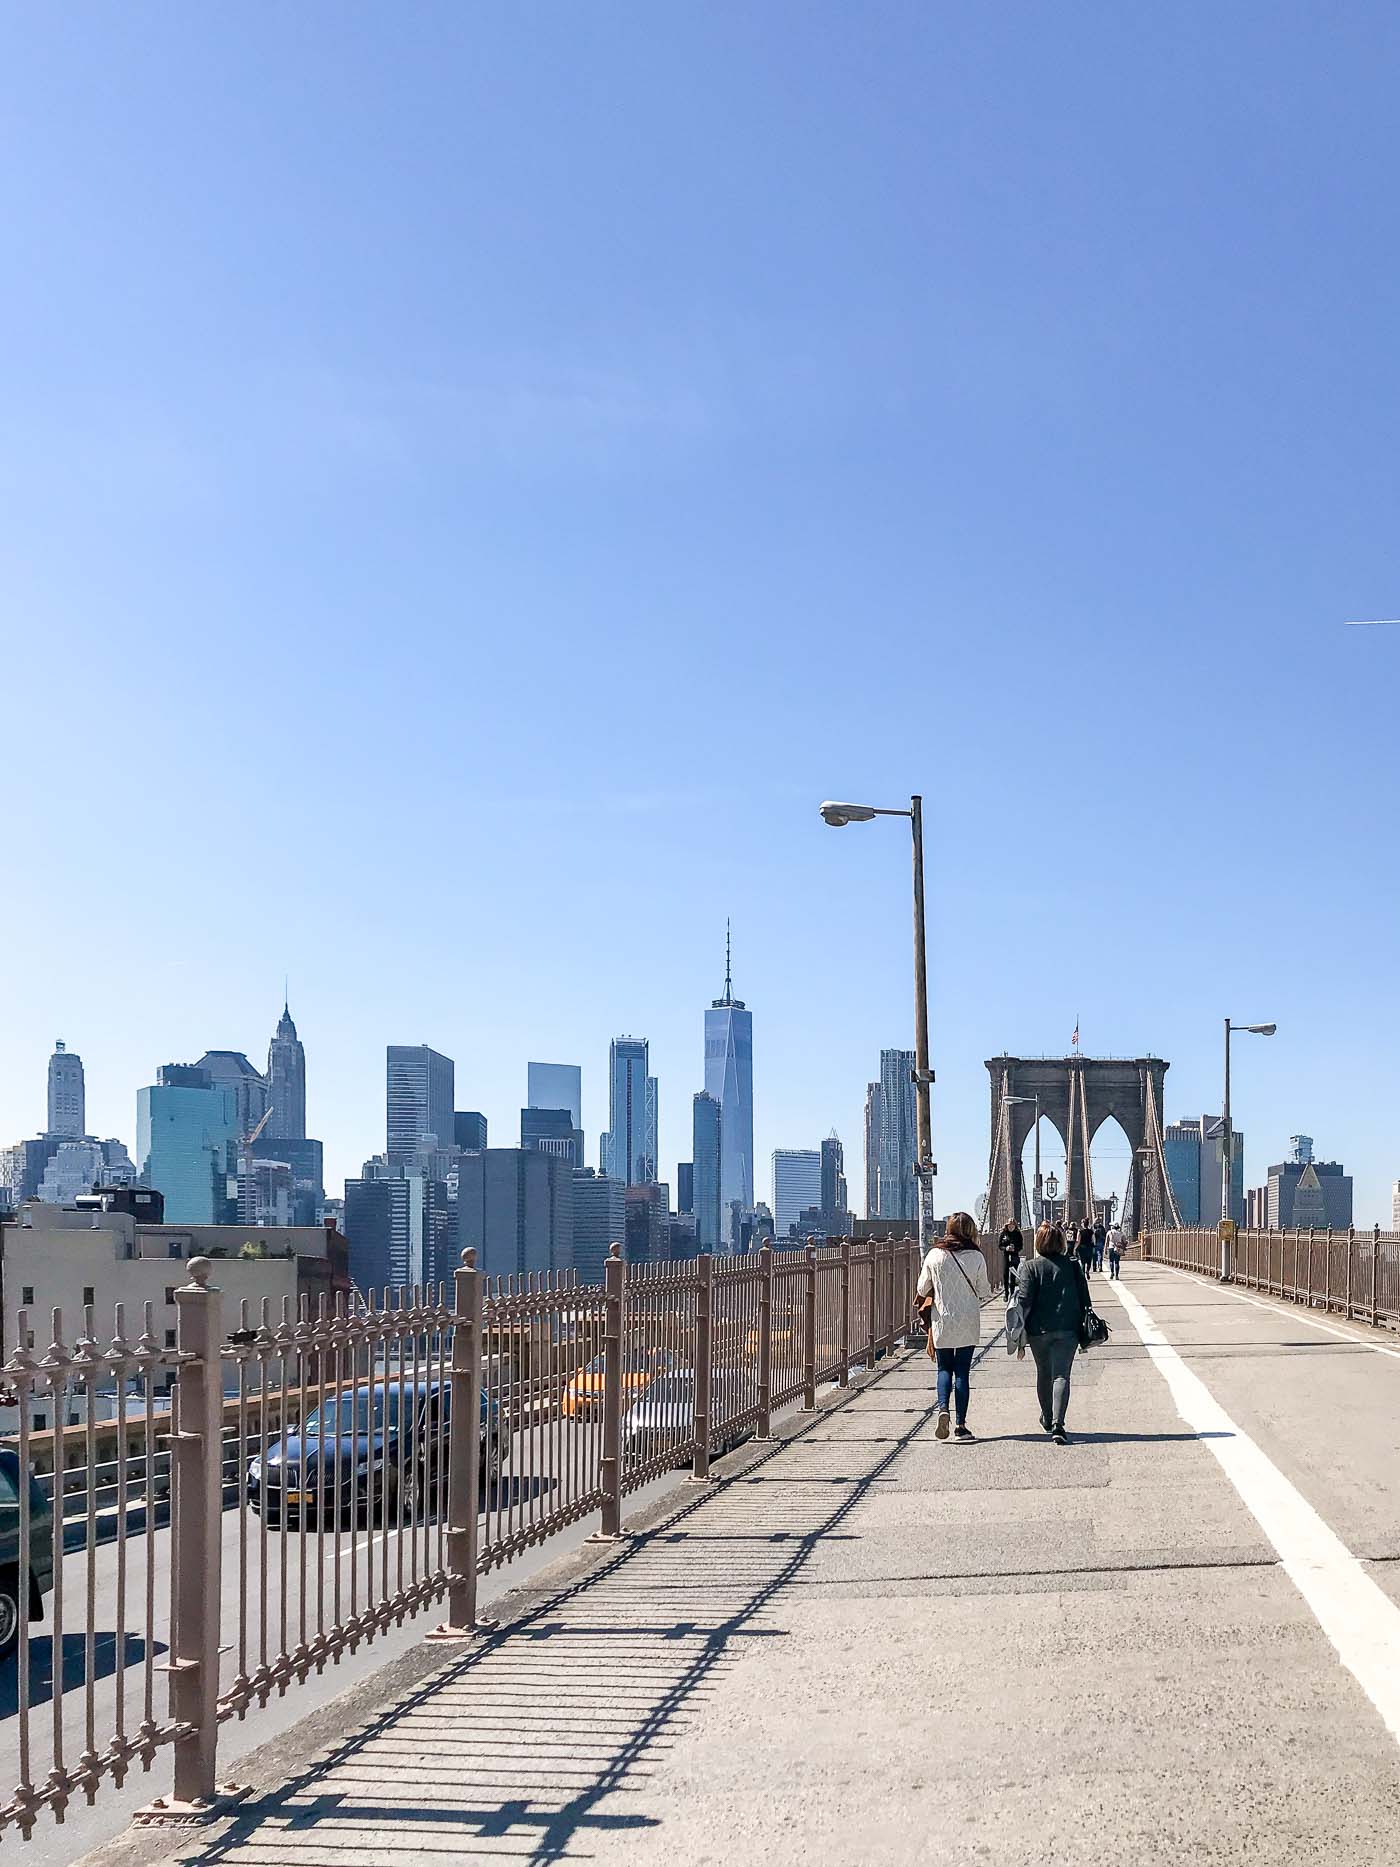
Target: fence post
1375, 1258
610, 1464
704, 1357
809, 1331
1351, 1253
196, 1557
465, 1444
843, 1379
870, 1308
765, 1341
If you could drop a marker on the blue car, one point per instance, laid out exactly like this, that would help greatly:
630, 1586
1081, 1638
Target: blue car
388, 1438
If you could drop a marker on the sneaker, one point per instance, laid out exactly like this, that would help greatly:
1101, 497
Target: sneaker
963, 1432
941, 1430
1060, 1436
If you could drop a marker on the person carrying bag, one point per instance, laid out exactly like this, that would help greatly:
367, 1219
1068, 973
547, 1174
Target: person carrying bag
1053, 1293
955, 1282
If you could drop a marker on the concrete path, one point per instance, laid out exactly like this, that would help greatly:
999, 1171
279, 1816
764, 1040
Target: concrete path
868, 1645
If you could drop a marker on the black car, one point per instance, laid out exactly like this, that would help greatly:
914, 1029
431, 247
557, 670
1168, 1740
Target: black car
387, 1438
22, 1592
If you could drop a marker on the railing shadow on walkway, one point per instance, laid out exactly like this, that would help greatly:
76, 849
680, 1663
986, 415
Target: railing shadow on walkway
514, 1750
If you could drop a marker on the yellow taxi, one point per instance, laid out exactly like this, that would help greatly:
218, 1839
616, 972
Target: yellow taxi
583, 1396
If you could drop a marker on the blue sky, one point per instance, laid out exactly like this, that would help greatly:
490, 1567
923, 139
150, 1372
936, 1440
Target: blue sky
472, 479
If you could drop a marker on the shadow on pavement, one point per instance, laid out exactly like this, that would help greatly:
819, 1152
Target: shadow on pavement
104, 1664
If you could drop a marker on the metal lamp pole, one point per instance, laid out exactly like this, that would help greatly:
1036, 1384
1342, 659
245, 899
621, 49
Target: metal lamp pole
1227, 1149
1035, 1203
838, 816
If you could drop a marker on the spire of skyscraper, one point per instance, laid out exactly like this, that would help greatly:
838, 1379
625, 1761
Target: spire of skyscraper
728, 987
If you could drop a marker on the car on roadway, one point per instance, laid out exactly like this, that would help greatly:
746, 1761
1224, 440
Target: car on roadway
582, 1398
664, 1418
22, 1586
387, 1440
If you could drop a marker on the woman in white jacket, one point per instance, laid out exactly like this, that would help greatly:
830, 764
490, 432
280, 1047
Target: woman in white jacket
955, 1283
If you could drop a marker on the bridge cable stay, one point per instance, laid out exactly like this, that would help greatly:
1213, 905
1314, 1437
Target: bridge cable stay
1163, 1188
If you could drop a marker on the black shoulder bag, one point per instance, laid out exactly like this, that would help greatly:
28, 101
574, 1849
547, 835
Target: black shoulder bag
1093, 1330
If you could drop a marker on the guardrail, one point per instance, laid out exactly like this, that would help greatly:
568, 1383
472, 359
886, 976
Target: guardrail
356, 1500
1357, 1274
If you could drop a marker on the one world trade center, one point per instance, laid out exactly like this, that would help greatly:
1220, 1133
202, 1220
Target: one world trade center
729, 1079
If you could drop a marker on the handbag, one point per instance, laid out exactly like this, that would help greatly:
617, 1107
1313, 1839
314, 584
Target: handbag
1093, 1330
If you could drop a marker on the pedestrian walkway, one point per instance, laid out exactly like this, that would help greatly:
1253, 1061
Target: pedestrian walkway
870, 1646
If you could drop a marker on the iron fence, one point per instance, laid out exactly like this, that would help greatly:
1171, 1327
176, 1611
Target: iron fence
324, 1474
1356, 1274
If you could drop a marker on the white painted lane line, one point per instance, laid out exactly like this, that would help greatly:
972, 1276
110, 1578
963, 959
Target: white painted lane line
1360, 1620
1290, 1311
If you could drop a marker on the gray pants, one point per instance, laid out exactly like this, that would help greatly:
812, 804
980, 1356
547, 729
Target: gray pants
1054, 1357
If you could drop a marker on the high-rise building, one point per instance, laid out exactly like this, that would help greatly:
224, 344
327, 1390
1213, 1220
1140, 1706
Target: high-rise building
187, 1143
729, 1079
872, 1150
647, 1236
67, 1094
286, 1082
834, 1204
420, 1085
1395, 1205
629, 1146
231, 1070
398, 1226
1300, 1147
552, 1131
304, 1158
600, 1221
83, 1167
555, 1086
898, 1136
516, 1206
1192, 1150
707, 1149
1304, 1192
685, 1186
469, 1130
797, 1183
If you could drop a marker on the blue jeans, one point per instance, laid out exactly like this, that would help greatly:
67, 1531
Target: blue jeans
954, 1367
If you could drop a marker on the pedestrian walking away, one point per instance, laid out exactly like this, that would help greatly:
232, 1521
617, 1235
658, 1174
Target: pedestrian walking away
1100, 1239
1052, 1290
1011, 1244
1115, 1248
1082, 1243
953, 1285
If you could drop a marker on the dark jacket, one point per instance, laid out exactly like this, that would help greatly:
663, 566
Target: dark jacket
1100, 1233
1052, 1295
1011, 1241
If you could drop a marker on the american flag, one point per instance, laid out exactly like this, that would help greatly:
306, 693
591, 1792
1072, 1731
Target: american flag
1075, 1039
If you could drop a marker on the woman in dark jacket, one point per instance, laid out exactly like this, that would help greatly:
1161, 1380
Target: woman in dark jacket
1053, 1292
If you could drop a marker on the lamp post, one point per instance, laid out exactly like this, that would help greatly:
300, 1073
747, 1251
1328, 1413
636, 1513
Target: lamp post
1227, 1140
838, 816
1035, 1203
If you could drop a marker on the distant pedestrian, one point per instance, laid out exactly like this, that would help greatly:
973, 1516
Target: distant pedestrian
954, 1281
1084, 1245
1011, 1244
1115, 1249
1100, 1238
1053, 1292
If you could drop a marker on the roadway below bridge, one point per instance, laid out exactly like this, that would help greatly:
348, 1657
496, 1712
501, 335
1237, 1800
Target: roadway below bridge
1176, 1638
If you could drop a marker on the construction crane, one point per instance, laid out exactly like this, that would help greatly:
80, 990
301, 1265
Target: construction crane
245, 1171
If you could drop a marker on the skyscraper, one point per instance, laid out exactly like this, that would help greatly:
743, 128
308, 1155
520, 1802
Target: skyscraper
1192, 1150
67, 1094
834, 1198
898, 1193
286, 1082
707, 1171
600, 1221
797, 1184
516, 1206
685, 1186
629, 1146
398, 1230
729, 1079
872, 1150
552, 1131
186, 1143
555, 1086
469, 1130
231, 1070
420, 1085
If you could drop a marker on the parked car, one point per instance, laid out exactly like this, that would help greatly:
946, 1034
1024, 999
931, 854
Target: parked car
582, 1398
665, 1414
379, 1435
22, 1591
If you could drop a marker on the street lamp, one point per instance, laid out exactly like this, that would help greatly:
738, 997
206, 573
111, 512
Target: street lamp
1035, 1203
1227, 1138
838, 816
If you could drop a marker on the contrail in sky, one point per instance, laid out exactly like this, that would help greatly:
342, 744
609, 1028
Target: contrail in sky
1371, 622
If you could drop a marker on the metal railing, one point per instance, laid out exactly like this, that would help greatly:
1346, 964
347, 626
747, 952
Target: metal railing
1356, 1274
411, 1443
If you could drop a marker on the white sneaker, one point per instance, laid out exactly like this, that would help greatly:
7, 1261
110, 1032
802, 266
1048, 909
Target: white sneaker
941, 1430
